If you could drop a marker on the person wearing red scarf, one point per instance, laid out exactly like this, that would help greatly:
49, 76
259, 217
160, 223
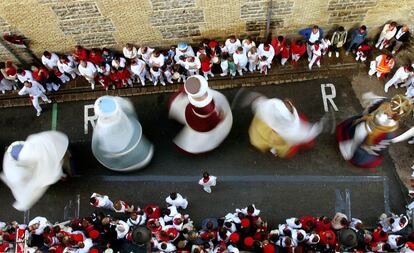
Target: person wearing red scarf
80, 54
297, 48
316, 54
95, 56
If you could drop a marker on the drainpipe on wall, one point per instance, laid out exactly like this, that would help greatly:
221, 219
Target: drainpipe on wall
269, 15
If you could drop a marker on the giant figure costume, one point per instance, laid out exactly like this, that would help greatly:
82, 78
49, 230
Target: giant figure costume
363, 139
30, 166
278, 127
205, 114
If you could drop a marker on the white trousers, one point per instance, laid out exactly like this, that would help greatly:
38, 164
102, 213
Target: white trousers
373, 69
283, 61
295, 57
315, 60
252, 66
91, 81
35, 101
393, 81
64, 78
309, 51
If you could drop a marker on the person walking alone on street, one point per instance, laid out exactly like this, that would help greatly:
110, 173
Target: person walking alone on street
35, 90
207, 181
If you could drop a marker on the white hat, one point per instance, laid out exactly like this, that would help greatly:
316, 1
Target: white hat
196, 87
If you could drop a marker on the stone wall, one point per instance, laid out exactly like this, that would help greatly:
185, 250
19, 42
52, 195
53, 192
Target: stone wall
58, 25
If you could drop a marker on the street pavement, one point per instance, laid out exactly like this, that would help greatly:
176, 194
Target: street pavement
314, 182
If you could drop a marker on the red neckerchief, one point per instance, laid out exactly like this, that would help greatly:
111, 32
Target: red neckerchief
205, 180
266, 49
316, 46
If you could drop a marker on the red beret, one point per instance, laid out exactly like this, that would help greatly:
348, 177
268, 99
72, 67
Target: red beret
234, 237
212, 44
269, 248
245, 223
248, 241
93, 234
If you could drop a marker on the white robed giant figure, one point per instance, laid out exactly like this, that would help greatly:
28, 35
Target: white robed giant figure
118, 142
205, 114
30, 166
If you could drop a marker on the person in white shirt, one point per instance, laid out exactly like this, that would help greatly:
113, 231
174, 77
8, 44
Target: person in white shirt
175, 199
101, 201
386, 35
24, 75
67, 64
268, 51
157, 76
240, 59
138, 68
247, 44
88, 70
118, 62
50, 60
207, 181
224, 65
192, 64
316, 54
35, 90
401, 76
232, 43
104, 69
156, 59
253, 57
183, 49
145, 53
263, 64
130, 52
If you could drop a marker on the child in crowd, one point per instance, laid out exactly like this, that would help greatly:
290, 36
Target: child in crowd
192, 64
224, 64
157, 76
232, 66
284, 54
124, 77
115, 78
253, 59
166, 73
64, 78
104, 68
297, 48
206, 65
240, 59
104, 80
325, 45
316, 55
363, 51
263, 65
139, 70
179, 72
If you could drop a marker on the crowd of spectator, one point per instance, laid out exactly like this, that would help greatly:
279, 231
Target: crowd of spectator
170, 229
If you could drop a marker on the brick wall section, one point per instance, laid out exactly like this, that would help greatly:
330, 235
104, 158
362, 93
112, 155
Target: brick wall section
85, 23
349, 11
58, 25
255, 14
77, 10
177, 19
